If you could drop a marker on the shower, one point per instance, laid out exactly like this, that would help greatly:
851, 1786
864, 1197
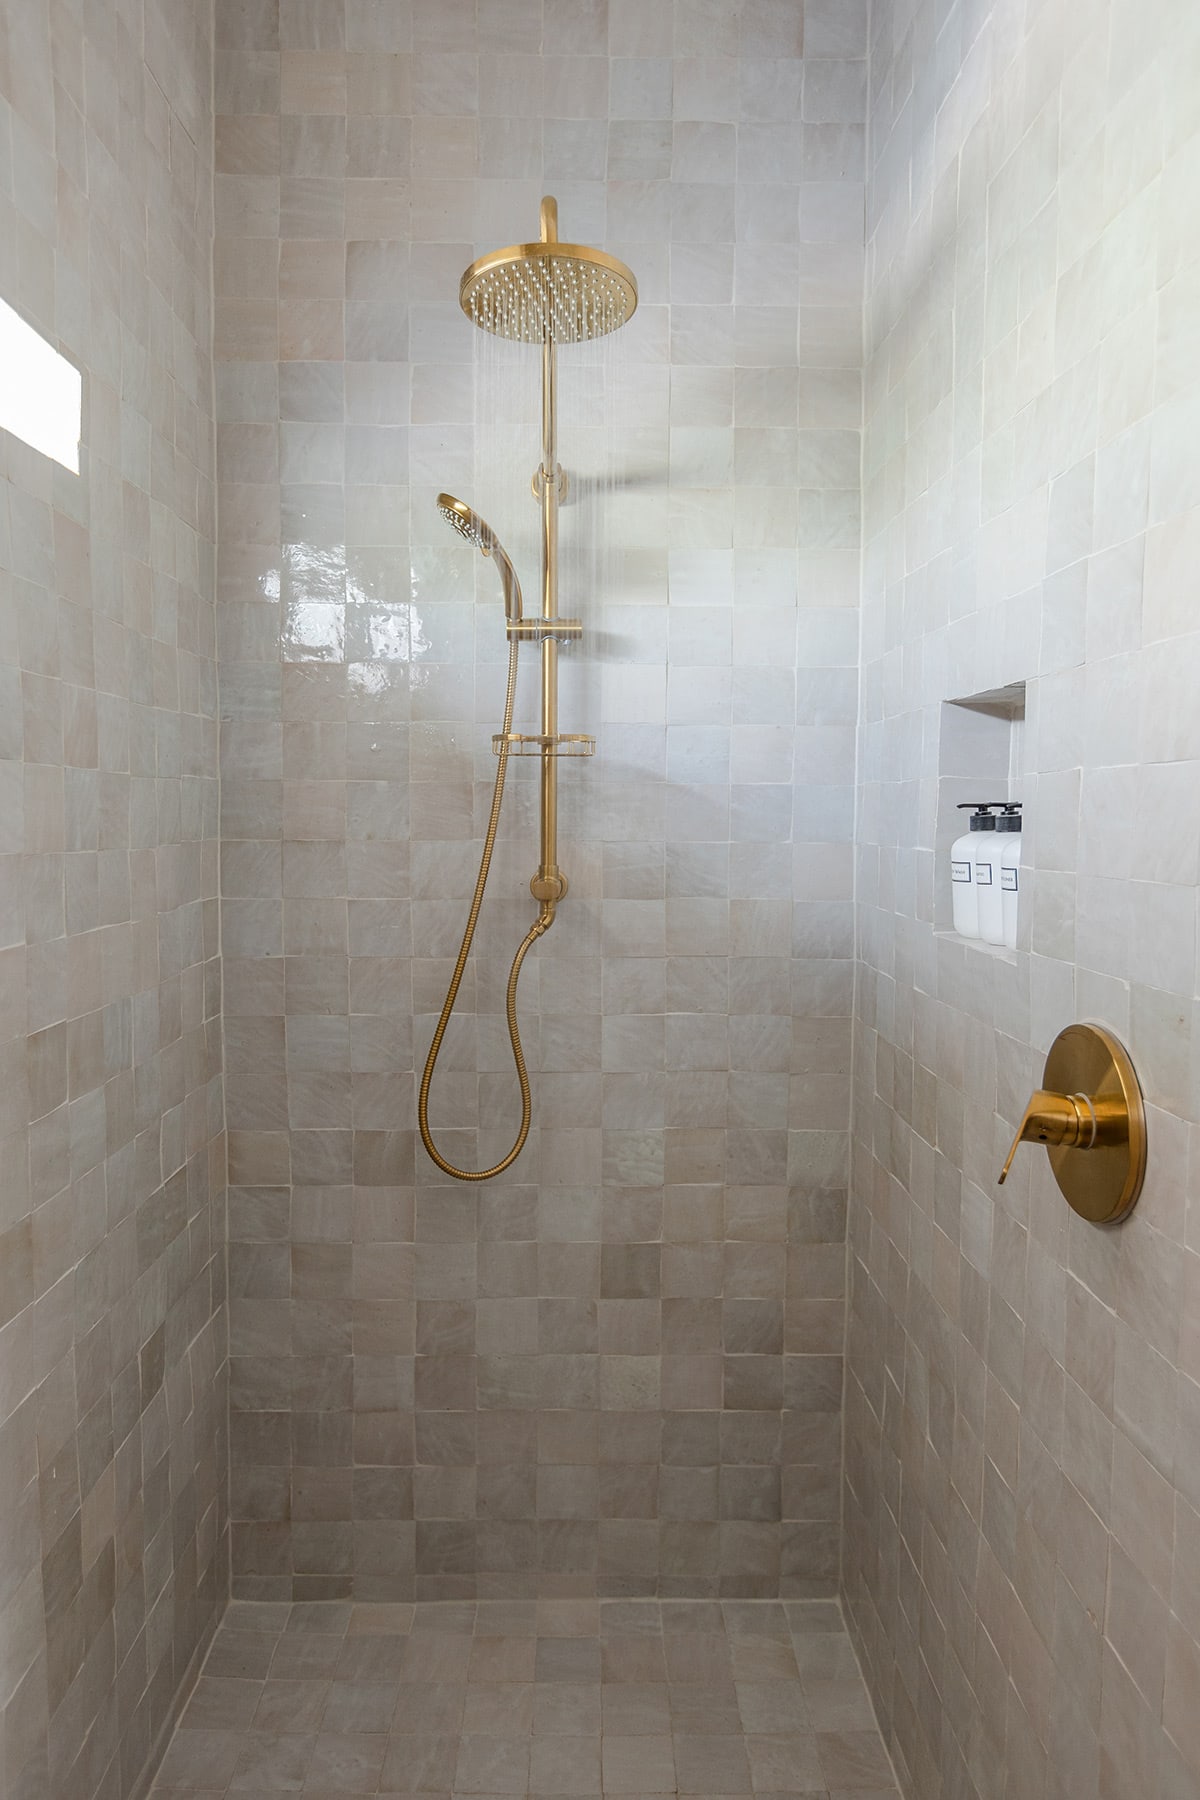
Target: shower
547, 293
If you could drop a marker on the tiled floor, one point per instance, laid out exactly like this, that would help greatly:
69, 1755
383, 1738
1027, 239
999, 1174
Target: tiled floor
489, 1699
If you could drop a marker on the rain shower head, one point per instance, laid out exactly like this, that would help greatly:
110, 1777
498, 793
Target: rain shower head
477, 531
548, 293
566, 293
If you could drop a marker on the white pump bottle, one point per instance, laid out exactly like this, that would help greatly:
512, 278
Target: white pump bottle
1008, 826
964, 887
987, 881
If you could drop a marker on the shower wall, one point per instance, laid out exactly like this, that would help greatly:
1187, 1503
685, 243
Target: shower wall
617, 1369
113, 1420
1023, 1403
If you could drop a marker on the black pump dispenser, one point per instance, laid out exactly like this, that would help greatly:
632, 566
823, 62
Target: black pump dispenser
982, 817
1010, 817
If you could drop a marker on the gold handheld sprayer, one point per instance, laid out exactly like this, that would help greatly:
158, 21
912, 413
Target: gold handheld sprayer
546, 293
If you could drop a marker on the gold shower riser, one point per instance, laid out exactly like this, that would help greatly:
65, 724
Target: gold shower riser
546, 293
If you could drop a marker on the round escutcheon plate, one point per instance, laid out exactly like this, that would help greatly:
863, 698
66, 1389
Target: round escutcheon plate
1101, 1184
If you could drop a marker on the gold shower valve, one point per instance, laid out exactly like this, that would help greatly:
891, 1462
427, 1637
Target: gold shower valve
1091, 1119
1069, 1119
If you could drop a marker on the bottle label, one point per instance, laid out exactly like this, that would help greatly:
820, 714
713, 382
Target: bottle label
983, 874
1008, 880
960, 871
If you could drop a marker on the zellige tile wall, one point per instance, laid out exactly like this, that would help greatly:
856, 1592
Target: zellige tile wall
114, 1549
617, 1370
1022, 1551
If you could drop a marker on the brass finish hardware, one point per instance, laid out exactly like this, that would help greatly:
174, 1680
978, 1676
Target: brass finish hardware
537, 483
548, 885
1061, 1119
546, 293
536, 631
1091, 1118
540, 926
477, 531
541, 743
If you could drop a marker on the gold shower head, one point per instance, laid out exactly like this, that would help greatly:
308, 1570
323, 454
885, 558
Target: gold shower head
477, 531
468, 524
548, 292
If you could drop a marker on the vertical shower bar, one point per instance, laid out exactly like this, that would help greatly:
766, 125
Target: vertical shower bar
549, 884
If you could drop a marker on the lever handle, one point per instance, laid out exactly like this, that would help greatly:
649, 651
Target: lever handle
1092, 1121
1050, 1118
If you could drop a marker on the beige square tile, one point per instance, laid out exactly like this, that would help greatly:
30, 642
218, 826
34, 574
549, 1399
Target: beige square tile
564, 1765
492, 1765
780, 1757
638, 1765
566, 1708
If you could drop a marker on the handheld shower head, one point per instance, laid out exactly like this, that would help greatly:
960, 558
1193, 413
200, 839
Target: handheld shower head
477, 531
468, 524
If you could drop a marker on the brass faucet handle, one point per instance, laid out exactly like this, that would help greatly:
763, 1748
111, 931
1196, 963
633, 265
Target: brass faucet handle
1066, 1120
1091, 1118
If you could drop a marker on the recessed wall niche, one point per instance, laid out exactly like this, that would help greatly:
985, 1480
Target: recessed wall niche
979, 759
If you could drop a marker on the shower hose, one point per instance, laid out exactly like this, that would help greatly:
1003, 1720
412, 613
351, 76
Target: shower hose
538, 929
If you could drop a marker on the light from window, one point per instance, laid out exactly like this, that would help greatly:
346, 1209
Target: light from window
41, 393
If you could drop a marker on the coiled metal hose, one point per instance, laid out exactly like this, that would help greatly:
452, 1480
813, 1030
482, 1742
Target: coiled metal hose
538, 929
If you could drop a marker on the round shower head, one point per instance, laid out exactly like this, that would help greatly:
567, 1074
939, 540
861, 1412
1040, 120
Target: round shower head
468, 524
564, 293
